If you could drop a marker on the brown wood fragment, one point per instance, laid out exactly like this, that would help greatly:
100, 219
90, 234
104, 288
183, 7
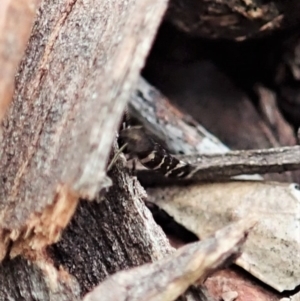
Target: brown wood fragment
42, 229
262, 161
81, 63
16, 20
115, 233
179, 132
21, 279
169, 278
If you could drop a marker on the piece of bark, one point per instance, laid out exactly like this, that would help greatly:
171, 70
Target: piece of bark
16, 20
263, 161
115, 233
169, 278
232, 19
81, 64
21, 279
177, 131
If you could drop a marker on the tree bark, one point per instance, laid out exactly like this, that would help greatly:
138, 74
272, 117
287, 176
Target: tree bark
65, 225
16, 20
82, 62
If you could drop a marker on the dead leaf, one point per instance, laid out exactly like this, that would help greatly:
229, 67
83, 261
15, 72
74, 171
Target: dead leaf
272, 252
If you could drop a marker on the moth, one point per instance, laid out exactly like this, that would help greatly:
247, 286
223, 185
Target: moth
208, 167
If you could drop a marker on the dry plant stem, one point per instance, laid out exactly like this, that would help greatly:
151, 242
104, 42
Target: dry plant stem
16, 20
114, 159
273, 160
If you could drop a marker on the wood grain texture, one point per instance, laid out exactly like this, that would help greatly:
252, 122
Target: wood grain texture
81, 64
115, 233
177, 131
16, 20
261, 161
21, 279
167, 279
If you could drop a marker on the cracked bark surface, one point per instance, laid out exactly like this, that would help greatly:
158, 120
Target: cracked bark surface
81, 64
16, 20
80, 67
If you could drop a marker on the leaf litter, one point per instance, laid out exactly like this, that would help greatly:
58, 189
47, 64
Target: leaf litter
272, 250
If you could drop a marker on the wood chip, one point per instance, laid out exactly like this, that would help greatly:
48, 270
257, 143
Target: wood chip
167, 279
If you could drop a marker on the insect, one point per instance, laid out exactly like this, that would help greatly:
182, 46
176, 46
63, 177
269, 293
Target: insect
203, 167
152, 155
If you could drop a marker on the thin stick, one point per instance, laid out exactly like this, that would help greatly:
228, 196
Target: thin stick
116, 156
233, 163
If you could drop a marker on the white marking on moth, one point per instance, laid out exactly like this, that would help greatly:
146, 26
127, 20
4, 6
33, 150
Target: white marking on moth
149, 158
160, 164
180, 174
192, 172
179, 165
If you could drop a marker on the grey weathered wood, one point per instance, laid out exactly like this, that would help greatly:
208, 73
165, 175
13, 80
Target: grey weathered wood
21, 279
113, 233
262, 161
167, 279
81, 64
16, 20
179, 132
